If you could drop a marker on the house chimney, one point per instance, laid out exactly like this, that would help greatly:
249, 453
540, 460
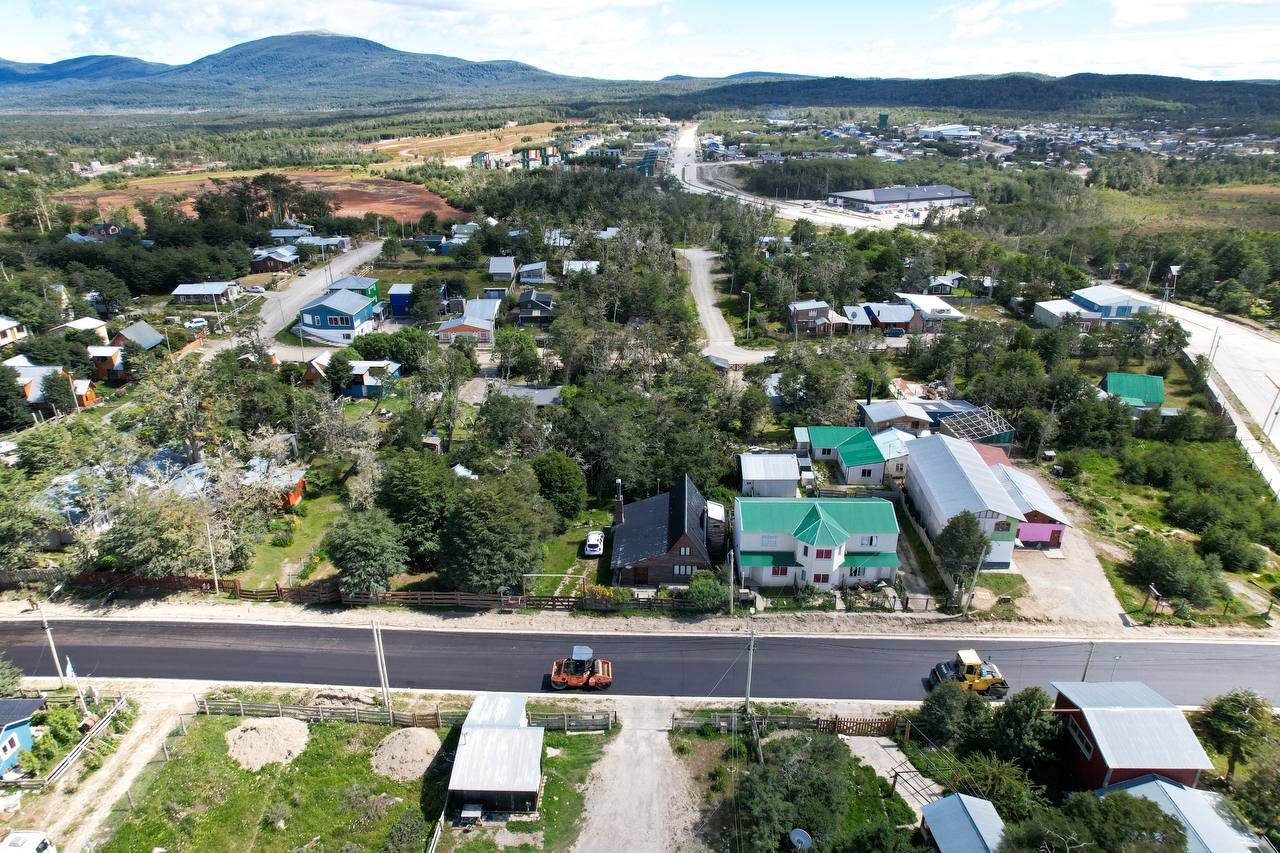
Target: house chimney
617, 502
870, 385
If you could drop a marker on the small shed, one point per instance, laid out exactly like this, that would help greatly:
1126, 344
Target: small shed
15, 729
960, 823
400, 296
498, 763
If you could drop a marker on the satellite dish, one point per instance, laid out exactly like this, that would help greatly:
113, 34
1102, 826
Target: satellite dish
800, 839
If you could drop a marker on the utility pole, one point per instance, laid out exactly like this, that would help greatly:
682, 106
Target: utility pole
213, 564
1087, 661
48, 632
382, 666
973, 587
751, 661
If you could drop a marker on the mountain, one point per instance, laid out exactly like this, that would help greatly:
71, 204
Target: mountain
320, 71
300, 71
92, 68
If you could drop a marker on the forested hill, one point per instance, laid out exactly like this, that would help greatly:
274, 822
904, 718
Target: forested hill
322, 71
1079, 94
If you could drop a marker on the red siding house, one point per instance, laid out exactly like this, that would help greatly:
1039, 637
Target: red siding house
1123, 730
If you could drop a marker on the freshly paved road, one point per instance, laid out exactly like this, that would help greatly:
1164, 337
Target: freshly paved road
657, 665
714, 327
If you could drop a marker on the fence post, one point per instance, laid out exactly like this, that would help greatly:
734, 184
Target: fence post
241, 704
182, 721
322, 713
164, 744
906, 734
439, 722
566, 721
279, 710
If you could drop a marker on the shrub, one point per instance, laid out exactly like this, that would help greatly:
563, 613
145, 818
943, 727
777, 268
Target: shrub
1175, 570
1004, 783
952, 715
707, 593
407, 834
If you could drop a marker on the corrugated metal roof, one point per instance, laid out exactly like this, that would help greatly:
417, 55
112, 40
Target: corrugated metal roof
206, 288
769, 466
893, 442
1028, 493
953, 472
1140, 386
887, 312
854, 444
497, 759
353, 282
960, 823
806, 305
892, 195
1211, 823
892, 410
855, 515
496, 709
502, 265
1105, 294
933, 306
856, 315
400, 289
343, 301
143, 334
1135, 727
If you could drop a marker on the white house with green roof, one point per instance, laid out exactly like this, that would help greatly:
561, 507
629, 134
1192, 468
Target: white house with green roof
1138, 391
826, 544
852, 449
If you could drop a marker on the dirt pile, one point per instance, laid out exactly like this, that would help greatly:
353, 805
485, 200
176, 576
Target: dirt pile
257, 743
405, 754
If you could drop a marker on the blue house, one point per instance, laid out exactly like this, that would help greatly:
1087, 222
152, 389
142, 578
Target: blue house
401, 298
339, 316
371, 378
1112, 303
15, 729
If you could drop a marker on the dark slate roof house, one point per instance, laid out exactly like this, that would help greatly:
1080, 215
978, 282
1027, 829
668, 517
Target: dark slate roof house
665, 538
141, 333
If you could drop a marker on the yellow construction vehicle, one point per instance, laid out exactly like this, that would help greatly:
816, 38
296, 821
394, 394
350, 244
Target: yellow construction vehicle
971, 673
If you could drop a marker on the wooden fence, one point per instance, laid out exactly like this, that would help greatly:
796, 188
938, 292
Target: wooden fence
61, 768
328, 593
861, 726
572, 721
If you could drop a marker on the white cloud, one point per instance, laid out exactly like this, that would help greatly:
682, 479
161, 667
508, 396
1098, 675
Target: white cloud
679, 28
1135, 13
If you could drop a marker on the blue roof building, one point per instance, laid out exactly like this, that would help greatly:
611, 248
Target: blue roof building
339, 316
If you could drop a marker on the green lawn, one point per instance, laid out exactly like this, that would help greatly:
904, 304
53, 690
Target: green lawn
1003, 583
563, 554
329, 796
268, 560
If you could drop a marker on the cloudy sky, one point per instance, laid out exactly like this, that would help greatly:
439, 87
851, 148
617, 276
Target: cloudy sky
646, 39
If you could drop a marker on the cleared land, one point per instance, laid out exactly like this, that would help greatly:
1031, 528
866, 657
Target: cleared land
496, 141
1251, 206
356, 194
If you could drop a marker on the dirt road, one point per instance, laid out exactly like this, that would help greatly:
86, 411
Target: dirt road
714, 327
640, 784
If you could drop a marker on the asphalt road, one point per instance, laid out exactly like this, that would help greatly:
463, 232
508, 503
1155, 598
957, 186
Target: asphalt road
651, 665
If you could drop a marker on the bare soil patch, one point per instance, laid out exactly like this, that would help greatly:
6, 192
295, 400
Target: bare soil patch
496, 141
405, 754
277, 740
356, 194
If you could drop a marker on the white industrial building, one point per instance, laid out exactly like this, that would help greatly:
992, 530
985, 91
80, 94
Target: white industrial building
898, 199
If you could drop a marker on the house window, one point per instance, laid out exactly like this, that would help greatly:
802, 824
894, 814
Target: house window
858, 572
340, 321
683, 570
866, 541
8, 747
1078, 735
780, 571
684, 550
826, 451
822, 578
1002, 527
768, 540
823, 553
866, 473
806, 549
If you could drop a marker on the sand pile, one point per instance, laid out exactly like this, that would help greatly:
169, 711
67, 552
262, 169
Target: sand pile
405, 754
276, 740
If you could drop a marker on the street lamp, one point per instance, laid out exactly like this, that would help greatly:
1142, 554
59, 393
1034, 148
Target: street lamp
1172, 289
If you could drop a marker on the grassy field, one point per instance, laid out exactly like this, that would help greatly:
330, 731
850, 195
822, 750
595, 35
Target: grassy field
271, 563
563, 555
1252, 206
329, 796
497, 141
435, 266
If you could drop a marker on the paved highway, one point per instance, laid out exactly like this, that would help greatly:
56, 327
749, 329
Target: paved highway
889, 668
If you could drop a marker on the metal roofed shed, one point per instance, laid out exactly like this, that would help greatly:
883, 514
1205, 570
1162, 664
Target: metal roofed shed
960, 823
1211, 823
983, 425
1136, 389
1134, 727
498, 763
1029, 494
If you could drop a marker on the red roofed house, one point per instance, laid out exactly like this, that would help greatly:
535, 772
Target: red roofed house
1121, 730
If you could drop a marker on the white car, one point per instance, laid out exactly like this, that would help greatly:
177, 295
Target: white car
594, 546
27, 841
255, 288
196, 323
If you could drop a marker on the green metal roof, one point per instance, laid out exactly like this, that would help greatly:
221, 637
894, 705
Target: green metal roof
1139, 386
819, 529
767, 558
855, 445
881, 560
797, 515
